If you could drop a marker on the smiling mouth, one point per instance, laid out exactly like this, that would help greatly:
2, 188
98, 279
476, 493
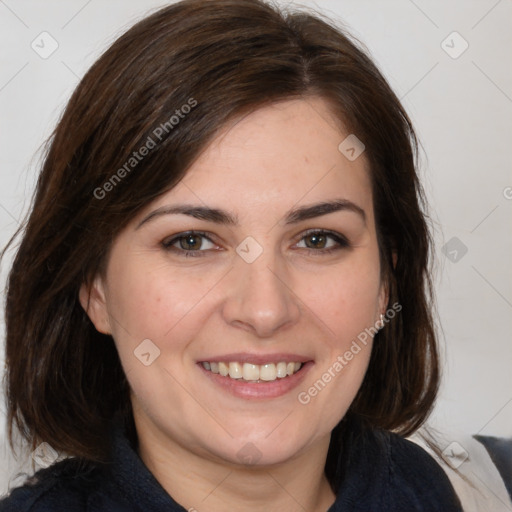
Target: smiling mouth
253, 372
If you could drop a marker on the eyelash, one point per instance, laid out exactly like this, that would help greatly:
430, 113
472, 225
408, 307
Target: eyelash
168, 244
341, 240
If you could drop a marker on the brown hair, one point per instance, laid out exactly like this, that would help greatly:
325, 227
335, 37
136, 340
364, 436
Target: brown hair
224, 58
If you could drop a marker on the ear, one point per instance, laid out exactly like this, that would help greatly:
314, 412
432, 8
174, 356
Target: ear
384, 296
93, 299
384, 291
383, 299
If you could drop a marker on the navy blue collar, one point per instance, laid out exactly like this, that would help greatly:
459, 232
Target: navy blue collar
381, 472
134, 480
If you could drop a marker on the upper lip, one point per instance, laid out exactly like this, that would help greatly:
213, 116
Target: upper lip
257, 358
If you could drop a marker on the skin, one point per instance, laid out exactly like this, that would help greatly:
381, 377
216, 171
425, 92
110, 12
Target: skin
294, 298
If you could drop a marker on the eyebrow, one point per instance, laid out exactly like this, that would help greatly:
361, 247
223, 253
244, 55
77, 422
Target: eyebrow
324, 208
294, 216
198, 212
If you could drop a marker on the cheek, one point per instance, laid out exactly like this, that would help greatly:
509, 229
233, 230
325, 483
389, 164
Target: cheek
345, 298
346, 302
148, 301
151, 303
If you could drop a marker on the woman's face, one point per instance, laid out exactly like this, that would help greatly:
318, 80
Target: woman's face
264, 256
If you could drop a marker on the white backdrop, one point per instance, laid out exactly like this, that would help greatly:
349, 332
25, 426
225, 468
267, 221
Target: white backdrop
457, 88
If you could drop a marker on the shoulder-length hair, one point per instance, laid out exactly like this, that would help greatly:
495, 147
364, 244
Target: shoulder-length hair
220, 58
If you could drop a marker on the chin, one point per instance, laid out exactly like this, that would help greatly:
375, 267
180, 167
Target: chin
257, 451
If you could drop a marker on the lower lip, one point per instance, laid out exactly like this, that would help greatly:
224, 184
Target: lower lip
258, 390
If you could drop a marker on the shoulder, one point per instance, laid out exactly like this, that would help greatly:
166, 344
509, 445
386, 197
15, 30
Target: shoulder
383, 471
415, 477
67, 485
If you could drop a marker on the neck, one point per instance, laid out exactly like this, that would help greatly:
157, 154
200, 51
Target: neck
199, 483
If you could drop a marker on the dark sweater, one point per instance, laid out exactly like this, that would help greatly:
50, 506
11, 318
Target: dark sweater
383, 472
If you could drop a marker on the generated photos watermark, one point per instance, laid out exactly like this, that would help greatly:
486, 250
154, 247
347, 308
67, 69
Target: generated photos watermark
147, 352
157, 135
44, 455
304, 397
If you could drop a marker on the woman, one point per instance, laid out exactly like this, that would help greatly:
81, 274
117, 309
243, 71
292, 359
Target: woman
221, 296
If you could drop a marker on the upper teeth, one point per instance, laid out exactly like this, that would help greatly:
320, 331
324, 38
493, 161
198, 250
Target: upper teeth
253, 372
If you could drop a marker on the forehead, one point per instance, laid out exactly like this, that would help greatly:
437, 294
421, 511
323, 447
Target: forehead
278, 156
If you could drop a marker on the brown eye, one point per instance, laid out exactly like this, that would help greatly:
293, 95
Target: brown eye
323, 241
189, 243
316, 241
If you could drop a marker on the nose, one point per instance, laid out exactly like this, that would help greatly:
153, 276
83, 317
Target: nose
259, 297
